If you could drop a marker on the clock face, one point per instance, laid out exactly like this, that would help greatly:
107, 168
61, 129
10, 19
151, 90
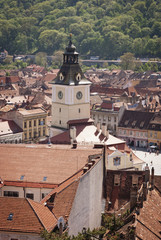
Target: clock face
61, 77
60, 95
79, 95
78, 77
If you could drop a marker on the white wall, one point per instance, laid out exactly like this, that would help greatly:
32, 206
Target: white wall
36, 191
87, 206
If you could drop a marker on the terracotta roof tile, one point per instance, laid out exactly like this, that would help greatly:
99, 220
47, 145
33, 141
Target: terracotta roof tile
63, 200
57, 163
150, 217
47, 219
24, 218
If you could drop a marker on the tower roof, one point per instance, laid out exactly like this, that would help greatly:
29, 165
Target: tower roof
70, 72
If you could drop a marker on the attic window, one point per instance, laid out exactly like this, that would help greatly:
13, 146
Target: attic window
10, 217
141, 124
126, 122
134, 123
153, 126
45, 178
22, 177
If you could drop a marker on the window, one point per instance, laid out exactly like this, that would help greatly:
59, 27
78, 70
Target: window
155, 134
151, 134
29, 123
39, 122
60, 122
25, 124
35, 134
34, 123
11, 194
22, 177
39, 133
10, 217
44, 132
44, 178
25, 136
79, 110
114, 119
109, 119
124, 131
29, 134
30, 195
43, 195
141, 134
116, 161
44, 121
114, 127
130, 132
59, 109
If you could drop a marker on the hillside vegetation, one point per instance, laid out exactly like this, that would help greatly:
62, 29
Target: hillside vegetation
106, 28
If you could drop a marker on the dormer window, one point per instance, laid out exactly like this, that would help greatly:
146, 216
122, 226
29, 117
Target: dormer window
126, 122
141, 124
134, 123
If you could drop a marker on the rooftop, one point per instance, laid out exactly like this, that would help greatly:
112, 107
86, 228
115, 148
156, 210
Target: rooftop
32, 111
35, 162
25, 216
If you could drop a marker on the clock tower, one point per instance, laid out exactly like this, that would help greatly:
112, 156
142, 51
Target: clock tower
70, 91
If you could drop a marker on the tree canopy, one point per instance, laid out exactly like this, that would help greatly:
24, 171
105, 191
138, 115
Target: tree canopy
105, 28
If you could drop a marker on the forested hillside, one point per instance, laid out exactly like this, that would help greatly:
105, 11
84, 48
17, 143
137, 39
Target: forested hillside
106, 28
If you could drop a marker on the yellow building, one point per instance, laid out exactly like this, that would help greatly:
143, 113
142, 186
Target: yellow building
154, 131
33, 123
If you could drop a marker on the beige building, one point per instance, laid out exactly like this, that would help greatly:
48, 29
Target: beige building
32, 122
117, 160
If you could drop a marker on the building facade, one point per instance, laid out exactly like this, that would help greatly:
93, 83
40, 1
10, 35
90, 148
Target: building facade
32, 122
109, 115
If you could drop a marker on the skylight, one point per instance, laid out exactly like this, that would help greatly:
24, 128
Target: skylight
45, 178
22, 177
10, 217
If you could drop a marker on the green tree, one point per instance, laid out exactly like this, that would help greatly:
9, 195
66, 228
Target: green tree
128, 61
41, 59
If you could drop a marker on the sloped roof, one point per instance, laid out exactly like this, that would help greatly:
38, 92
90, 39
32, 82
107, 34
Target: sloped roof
57, 162
9, 127
28, 216
86, 134
148, 225
47, 219
135, 119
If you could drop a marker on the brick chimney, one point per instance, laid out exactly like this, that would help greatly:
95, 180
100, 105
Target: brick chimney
152, 178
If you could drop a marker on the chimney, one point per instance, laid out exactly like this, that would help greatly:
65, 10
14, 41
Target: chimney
85, 169
147, 173
98, 126
104, 131
145, 191
133, 198
72, 133
152, 178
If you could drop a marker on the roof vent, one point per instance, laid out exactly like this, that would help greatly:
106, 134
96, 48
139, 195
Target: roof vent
10, 217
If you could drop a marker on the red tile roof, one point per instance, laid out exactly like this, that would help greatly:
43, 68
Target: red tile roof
35, 162
80, 121
29, 184
28, 216
149, 227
